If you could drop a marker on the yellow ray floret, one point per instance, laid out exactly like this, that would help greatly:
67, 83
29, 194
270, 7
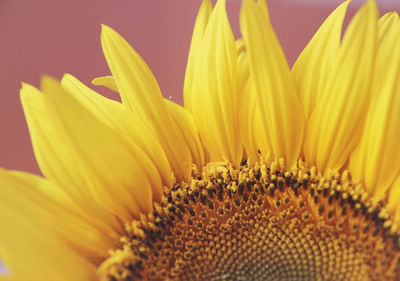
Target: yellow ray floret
183, 118
33, 252
106, 81
279, 110
246, 103
91, 160
185, 122
91, 238
386, 24
377, 157
128, 124
212, 86
315, 61
140, 93
335, 125
194, 58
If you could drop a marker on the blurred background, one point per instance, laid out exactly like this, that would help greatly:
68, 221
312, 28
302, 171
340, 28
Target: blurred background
55, 37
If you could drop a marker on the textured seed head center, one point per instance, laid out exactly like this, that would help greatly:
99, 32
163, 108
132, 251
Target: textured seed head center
259, 222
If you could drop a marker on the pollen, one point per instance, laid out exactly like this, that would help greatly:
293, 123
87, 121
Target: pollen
260, 222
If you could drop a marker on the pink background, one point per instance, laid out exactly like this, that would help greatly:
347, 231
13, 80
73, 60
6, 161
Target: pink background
53, 37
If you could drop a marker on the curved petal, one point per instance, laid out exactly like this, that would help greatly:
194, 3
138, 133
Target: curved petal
282, 119
125, 122
213, 90
194, 58
315, 62
246, 103
28, 248
184, 121
92, 161
7, 277
90, 238
106, 81
140, 93
376, 159
335, 126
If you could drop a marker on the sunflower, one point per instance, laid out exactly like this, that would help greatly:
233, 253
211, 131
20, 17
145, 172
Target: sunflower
266, 173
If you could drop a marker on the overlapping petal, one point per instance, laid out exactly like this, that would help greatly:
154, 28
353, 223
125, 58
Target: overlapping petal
95, 164
195, 58
187, 126
182, 117
29, 248
335, 125
376, 159
246, 103
140, 93
315, 62
128, 124
90, 238
281, 123
212, 92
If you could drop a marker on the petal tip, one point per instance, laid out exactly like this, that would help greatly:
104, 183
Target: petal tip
47, 82
104, 27
26, 90
96, 81
106, 32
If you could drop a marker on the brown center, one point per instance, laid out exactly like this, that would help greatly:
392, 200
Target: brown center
259, 222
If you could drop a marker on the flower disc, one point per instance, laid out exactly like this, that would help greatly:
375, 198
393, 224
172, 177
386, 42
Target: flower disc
259, 222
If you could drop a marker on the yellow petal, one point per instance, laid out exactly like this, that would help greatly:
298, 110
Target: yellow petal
92, 161
7, 278
36, 113
106, 81
386, 23
140, 93
29, 250
246, 103
387, 32
377, 158
185, 122
213, 92
95, 237
282, 119
315, 62
243, 71
335, 126
125, 122
194, 57
87, 237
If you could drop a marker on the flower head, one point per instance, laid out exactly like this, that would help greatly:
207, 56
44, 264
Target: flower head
267, 173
